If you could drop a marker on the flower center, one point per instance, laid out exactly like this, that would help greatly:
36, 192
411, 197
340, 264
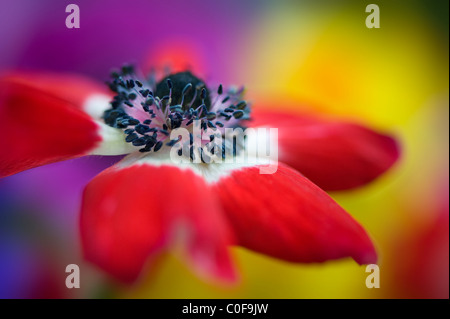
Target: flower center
148, 111
174, 84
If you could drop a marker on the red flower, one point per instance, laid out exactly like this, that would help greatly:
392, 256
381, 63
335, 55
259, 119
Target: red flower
146, 202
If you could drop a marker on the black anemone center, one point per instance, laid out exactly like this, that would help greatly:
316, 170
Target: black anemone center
179, 81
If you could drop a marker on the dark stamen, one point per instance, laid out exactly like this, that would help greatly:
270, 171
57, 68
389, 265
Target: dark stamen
180, 83
179, 100
158, 146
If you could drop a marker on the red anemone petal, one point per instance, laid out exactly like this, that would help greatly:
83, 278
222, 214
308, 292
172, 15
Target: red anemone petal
175, 55
334, 155
75, 89
285, 215
39, 127
130, 214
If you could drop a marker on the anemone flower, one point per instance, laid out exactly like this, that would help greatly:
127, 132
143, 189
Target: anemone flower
148, 202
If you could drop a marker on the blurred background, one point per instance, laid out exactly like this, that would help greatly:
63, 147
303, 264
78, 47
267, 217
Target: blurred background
315, 56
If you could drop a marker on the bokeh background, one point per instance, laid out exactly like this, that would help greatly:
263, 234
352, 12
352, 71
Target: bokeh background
315, 56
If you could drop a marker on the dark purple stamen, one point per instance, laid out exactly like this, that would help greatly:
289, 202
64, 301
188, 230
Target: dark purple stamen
178, 101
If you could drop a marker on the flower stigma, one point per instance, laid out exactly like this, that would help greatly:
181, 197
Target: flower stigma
148, 112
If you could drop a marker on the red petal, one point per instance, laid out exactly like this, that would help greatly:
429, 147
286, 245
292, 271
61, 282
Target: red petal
130, 214
72, 88
334, 155
39, 125
286, 216
176, 55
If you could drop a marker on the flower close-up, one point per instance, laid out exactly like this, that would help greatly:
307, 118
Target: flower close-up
226, 150
148, 201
